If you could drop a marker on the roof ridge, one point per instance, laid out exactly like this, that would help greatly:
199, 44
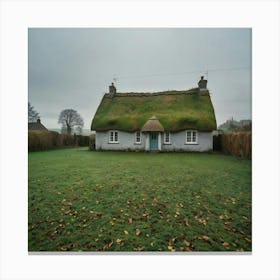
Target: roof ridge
193, 91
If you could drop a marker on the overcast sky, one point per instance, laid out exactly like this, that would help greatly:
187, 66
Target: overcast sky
72, 68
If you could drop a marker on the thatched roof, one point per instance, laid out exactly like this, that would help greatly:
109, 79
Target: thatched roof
36, 126
175, 110
152, 124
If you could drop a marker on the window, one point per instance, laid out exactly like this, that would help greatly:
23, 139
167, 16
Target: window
137, 137
113, 137
191, 137
166, 137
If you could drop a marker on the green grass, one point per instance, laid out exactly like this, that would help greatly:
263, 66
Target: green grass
117, 201
176, 110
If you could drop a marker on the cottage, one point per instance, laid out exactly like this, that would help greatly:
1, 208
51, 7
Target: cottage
36, 125
159, 121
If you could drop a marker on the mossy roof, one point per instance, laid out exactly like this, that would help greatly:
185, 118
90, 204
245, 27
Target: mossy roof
176, 111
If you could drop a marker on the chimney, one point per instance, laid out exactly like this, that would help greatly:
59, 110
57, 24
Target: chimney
112, 90
202, 84
38, 121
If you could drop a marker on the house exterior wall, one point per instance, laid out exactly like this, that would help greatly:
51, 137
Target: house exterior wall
177, 142
126, 141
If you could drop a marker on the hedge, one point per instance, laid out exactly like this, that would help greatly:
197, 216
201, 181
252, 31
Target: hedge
48, 140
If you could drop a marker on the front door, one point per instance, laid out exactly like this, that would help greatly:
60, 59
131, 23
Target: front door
153, 141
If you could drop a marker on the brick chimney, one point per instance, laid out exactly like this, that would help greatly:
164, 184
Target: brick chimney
202, 84
112, 90
38, 121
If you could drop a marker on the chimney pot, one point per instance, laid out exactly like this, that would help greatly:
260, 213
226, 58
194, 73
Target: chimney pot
112, 89
202, 83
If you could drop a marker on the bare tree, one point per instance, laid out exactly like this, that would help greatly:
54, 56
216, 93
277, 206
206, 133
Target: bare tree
71, 121
33, 116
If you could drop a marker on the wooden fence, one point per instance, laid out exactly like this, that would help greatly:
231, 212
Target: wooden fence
236, 143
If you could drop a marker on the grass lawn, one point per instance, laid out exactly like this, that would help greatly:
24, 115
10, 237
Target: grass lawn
118, 201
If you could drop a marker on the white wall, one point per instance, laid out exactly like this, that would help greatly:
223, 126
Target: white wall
126, 141
177, 142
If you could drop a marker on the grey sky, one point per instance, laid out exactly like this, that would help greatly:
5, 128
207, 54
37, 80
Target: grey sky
72, 68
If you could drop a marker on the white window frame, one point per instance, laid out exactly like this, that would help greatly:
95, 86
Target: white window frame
113, 137
192, 133
138, 136
169, 137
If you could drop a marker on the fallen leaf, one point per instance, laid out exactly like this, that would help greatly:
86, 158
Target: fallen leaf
225, 244
187, 244
205, 237
137, 232
138, 249
63, 248
119, 241
107, 246
125, 232
170, 248
130, 220
186, 222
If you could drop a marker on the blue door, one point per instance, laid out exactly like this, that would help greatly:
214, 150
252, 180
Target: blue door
153, 141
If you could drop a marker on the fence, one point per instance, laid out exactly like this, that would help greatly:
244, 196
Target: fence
237, 144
